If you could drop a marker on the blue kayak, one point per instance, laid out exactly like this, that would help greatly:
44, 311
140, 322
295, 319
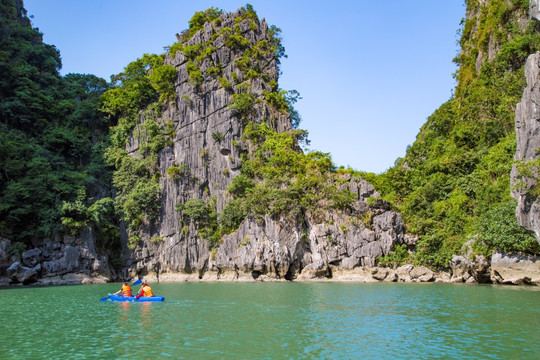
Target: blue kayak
133, 298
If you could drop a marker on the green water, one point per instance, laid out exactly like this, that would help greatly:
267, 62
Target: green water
273, 321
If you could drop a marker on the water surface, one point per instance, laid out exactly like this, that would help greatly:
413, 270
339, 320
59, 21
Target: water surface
273, 321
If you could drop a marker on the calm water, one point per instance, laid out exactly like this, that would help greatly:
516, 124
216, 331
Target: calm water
273, 321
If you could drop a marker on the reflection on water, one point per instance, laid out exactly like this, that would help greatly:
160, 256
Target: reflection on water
273, 321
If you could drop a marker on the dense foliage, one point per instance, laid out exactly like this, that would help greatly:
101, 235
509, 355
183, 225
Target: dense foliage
454, 181
51, 139
134, 104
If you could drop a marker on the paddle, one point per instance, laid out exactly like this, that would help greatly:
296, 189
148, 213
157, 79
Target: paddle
137, 282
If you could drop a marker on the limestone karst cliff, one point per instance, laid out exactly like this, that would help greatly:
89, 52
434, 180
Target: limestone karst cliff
525, 170
525, 173
238, 56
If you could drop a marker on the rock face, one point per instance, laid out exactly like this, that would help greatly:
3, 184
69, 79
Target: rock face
534, 9
469, 267
284, 248
68, 260
524, 177
207, 129
515, 269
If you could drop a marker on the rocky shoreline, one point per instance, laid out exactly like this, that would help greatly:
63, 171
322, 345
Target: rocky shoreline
507, 269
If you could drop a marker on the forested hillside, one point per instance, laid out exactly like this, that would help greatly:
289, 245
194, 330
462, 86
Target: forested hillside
454, 181
51, 139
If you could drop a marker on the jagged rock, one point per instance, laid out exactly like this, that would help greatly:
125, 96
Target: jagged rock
410, 273
460, 268
31, 257
58, 258
527, 122
4, 246
403, 273
285, 249
51, 250
314, 270
515, 269
534, 9
358, 274
55, 267
68, 240
469, 267
82, 279
4, 261
421, 274
443, 277
72, 279
21, 274
464, 269
384, 274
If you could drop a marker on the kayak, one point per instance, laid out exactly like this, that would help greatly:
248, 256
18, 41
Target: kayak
133, 298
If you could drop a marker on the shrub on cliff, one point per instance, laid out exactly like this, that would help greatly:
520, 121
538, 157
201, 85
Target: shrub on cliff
277, 179
499, 231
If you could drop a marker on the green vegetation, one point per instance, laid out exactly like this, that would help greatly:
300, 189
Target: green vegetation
396, 257
204, 216
499, 230
162, 79
51, 142
243, 105
176, 172
135, 104
200, 18
217, 136
454, 181
277, 179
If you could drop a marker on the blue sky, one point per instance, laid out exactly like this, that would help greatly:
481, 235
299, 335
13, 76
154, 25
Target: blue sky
369, 72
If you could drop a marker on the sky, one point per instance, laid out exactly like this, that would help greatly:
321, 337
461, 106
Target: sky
369, 72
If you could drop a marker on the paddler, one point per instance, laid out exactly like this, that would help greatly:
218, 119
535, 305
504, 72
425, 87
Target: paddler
125, 290
146, 291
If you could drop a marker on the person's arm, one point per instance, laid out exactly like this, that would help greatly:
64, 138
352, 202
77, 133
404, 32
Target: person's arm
119, 291
140, 294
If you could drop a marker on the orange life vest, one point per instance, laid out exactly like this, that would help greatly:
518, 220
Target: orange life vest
147, 291
126, 291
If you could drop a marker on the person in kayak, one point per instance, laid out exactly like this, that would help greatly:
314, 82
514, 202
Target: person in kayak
125, 290
146, 291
